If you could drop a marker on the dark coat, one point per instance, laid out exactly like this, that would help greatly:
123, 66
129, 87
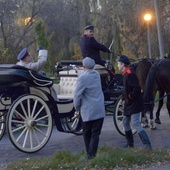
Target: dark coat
132, 93
91, 48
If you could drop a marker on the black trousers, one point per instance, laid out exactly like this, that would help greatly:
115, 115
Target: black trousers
91, 132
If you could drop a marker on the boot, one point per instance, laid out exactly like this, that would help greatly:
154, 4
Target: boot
129, 138
145, 140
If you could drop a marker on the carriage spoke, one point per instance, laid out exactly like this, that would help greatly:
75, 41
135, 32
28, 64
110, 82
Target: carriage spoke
25, 139
2, 124
36, 137
40, 131
23, 109
35, 105
31, 139
74, 123
22, 133
39, 112
16, 113
28, 105
41, 118
19, 128
42, 125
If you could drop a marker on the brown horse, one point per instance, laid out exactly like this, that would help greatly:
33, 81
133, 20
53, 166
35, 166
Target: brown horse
141, 69
158, 79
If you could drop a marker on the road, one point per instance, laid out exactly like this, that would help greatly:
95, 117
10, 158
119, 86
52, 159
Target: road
109, 136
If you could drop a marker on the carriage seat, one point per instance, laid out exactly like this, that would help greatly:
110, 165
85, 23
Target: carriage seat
102, 70
65, 89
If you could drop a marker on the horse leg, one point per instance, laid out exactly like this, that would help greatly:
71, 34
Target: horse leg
168, 103
161, 94
144, 120
151, 121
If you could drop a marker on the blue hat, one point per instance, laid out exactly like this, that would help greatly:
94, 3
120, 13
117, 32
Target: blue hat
22, 54
124, 59
39, 48
89, 27
88, 63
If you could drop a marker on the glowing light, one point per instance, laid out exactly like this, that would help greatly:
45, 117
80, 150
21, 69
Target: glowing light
147, 17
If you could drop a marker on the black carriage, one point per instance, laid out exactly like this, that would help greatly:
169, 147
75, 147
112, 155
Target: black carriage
29, 111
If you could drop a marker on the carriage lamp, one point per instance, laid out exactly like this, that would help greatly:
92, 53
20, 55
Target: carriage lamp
148, 17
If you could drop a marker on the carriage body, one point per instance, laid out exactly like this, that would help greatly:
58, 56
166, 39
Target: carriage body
28, 109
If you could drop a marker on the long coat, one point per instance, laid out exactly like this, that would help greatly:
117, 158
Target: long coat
88, 96
132, 93
91, 48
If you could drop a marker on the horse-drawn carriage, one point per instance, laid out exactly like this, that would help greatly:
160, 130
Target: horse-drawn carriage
28, 109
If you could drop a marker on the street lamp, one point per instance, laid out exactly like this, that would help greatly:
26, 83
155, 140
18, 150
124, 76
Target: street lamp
148, 17
161, 45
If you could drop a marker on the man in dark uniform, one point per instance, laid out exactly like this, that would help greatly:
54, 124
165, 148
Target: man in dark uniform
90, 47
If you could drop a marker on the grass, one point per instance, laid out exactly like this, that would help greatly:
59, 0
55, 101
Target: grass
107, 158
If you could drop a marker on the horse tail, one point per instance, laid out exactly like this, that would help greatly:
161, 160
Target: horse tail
149, 87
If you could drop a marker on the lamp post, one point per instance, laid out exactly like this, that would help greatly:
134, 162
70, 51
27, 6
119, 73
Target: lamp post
160, 39
147, 17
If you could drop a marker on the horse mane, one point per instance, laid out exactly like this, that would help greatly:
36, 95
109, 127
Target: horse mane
134, 65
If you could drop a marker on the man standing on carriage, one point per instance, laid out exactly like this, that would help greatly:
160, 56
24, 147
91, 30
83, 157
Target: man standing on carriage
133, 103
90, 47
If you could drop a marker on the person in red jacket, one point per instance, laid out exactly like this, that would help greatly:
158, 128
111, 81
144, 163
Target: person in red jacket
133, 103
90, 47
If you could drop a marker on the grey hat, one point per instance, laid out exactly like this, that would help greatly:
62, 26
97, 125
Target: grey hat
124, 59
88, 63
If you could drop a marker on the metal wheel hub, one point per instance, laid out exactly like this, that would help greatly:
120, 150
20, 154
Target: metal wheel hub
31, 123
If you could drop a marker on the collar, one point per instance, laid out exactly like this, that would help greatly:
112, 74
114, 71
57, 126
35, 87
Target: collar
127, 70
88, 36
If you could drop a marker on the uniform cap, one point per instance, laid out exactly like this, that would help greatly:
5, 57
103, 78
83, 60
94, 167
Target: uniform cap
89, 27
22, 54
124, 59
88, 63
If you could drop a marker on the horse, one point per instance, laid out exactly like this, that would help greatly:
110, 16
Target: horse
158, 79
141, 68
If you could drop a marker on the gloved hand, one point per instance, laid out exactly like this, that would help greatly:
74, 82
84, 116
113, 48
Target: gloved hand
39, 48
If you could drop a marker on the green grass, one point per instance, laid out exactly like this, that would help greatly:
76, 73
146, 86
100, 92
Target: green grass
106, 158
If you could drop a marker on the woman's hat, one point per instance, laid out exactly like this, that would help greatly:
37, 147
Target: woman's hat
88, 63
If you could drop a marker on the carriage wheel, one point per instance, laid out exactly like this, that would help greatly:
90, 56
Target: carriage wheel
2, 124
118, 117
29, 123
74, 124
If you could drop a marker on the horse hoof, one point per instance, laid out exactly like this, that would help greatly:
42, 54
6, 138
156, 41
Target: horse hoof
154, 128
145, 126
157, 121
